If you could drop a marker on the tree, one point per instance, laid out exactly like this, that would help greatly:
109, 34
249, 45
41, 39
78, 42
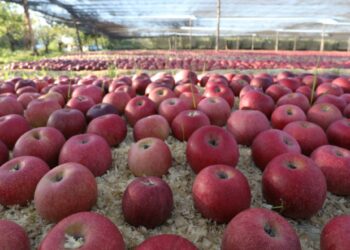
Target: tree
12, 29
45, 35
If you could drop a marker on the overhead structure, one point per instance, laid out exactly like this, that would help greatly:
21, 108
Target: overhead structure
136, 18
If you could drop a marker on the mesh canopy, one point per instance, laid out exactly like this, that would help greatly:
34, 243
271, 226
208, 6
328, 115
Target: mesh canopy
129, 18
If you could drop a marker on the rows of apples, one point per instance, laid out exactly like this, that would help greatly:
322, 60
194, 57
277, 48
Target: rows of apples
60, 133
186, 60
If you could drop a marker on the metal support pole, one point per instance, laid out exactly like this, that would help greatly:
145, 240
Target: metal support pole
218, 15
276, 41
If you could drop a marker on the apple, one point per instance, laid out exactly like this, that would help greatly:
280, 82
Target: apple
186, 75
261, 82
44, 143
84, 230
26, 98
159, 94
310, 80
329, 89
247, 89
13, 236
191, 99
151, 126
342, 82
292, 83
24, 83
297, 99
216, 108
66, 189
111, 127
140, 83
188, 121
286, 114
39, 111
338, 133
147, 201
305, 90
296, 184
166, 242
81, 102
276, 91
211, 145
259, 228
334, 162
154, 85
90, 150
69, 121
323, 114
55, 96
100, 109
7, 87
186, 87
149, 157
94, 92
245, 125
309, 135
284, 74
171, 107
346, 112
236, 85
340, 103
126, 89
335, 234
220, 192
19, 178
11, 128
139, 107
271, 143
222, 91
256, 100
10, 105
118, 100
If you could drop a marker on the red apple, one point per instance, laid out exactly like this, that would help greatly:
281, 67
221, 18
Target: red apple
111, 127
342, 82
171, 107
286, 114
39, 111
147, 201
100, 109
26, 98
259, 228
271, 143
236, 85
84, 230
297, 99
340, 103
13, 236
309, 135
191, 99
220, 192
126, 89
323, 114
149, 157
296, 184
69, 121
10, 105
94, 92
44, 143
338, 133
166, 242
151, 126
89, 150
211, 145
276, 91
160, 94
245, 125
216, 108
18, 179
81, 102
335, 234
140, 83
292, 83
66, 189
11, 128
118, 100
187, 122
187, 87
329, 89
139, 107
256, 100
222, 91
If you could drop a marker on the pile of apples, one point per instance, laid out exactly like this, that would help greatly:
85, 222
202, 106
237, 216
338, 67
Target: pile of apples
56, 136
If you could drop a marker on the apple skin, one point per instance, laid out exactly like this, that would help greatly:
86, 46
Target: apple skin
305, 90
118, 100
211, 145
69, 121
259, 228
100, 109
342, 82
334, 162
277, 141
329, 88
245, 125
111, 127
323, 114
286, 114
276, 91
11, 128
297, 99
171, 107
191, 99
94, 92
236, 85
10, 105
220, 192
26, 98
294, 182
19, 178
66, 189
149, 157
216, 108
187, 122
291, 83
81, 102
13, 236
55, 96
147, 201
151, 126
4, 153
256, 100
340, 103
90, 150
39, 111
309, 135
220, 90
139, 107
160, 94
335, 234
44, 143
261, 82
186, 87
338, 133
140, 83
166, 242
95, 229
126, 89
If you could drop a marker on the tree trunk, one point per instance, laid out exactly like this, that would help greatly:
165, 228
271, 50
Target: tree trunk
78, 36
218, 15
30, 43
47, 48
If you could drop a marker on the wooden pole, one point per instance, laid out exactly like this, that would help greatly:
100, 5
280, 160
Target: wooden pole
253, 41
78, 36
322, 40
276, 41
237, 44
190, 24
218, 15
295, 43
30, 42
